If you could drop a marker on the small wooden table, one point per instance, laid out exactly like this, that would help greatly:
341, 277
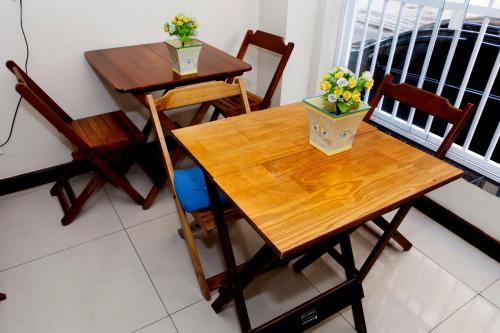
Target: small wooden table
142, 69
300, 201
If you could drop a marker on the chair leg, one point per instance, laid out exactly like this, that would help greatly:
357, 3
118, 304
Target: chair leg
151, 197
200, 113
194, 228
156, 173
399, 238
215, 114
62, 180
117, 179
193, 252
95, 183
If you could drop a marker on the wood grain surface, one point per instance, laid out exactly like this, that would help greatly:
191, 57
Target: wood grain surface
294, 195
147, 67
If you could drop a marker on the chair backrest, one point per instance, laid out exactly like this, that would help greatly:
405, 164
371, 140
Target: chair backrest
45, 105
189, 95
427, 102
271, 43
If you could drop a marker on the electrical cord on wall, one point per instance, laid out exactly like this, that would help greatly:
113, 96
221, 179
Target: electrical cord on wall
25, 69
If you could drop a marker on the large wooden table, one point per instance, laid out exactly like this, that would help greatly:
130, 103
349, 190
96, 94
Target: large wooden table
299, 200
142, 69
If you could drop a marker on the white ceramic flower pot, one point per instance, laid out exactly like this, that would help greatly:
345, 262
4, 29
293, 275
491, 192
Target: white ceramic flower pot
184, 58
331, 133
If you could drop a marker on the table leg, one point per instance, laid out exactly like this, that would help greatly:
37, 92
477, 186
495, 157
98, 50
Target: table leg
2, 296
350, 272
227, 250
384, 239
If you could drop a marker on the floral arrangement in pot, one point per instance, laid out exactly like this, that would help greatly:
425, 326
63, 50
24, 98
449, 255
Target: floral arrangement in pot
343, 88
184, 50
183, 27
334, 116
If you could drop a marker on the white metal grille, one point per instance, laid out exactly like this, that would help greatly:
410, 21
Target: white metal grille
426, 43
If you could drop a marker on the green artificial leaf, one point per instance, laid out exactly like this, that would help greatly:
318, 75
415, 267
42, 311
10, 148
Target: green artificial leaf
343, 107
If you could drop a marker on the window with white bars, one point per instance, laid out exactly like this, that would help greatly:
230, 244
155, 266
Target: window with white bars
451, 48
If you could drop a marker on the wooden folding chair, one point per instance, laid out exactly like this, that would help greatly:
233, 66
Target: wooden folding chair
229, 107
100, 139
431, 104
188, 186
422, 100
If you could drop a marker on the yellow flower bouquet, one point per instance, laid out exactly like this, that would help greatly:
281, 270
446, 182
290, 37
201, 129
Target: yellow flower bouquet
344, 88
181, 26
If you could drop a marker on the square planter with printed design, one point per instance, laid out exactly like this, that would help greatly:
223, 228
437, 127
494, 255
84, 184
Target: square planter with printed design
184, 58
335, 116
329, 132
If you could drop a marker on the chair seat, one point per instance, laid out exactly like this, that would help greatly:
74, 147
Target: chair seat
192, 190
231, 106
107, 132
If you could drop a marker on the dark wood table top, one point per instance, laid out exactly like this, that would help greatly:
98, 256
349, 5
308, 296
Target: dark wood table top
294, 195
145, 68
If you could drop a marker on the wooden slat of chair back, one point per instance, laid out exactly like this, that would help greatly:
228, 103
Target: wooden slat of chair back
427, 102
271, 43
267, 41
32, 93
22, 77
189, 95
202, 92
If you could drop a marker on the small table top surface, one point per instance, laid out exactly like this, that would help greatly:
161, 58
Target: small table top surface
294, 195
147, 67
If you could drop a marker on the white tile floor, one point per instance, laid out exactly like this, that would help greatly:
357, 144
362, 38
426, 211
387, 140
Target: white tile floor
120, 269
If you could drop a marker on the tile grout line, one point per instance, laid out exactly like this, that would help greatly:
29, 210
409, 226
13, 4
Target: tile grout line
62, 250
184, 308
393, 248
310, 283
173, 323
446, 270
487, 299
451, 314
151, 323
434, 261
149, 220
137, 254
498, 279
347, 321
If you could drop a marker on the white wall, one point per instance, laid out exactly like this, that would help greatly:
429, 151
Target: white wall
314, 26
272, 19
60, 31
